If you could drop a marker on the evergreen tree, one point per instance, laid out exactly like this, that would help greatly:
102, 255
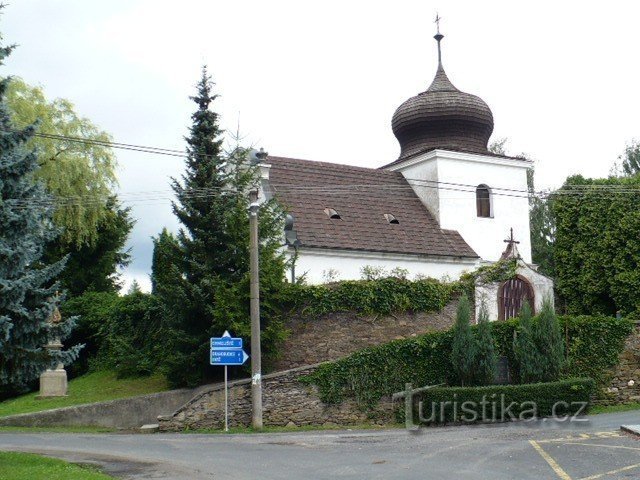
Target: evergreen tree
525, 349
630, 160
210, 293
486, 362
463, 346
96, 266
27, 287
166, 262
547, 338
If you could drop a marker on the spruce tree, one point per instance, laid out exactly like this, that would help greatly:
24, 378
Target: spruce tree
166, 263
211, 292
463, 346
547, 337
525, 350
27, 286
486, 362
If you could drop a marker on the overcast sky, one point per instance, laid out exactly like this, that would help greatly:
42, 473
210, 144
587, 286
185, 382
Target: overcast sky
321, 80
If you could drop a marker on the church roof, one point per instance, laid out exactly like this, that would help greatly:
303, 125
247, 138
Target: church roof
363, 198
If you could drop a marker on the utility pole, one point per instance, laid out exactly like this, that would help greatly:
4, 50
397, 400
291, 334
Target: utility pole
256, 373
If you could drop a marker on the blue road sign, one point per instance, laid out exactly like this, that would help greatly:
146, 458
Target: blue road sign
227, 350
226, 342
228, 357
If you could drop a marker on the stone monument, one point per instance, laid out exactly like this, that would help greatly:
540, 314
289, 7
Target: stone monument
53, 383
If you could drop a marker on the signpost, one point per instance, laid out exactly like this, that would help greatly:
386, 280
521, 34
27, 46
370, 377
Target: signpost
225, 351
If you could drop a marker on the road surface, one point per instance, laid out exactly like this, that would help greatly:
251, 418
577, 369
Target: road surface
582, 450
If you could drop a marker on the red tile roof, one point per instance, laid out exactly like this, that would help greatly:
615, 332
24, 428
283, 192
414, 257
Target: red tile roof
361, 196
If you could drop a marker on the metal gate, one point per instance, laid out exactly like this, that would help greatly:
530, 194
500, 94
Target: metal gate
512, 295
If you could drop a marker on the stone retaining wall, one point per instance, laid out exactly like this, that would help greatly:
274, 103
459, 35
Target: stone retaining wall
625, 383
335, 335
286, 402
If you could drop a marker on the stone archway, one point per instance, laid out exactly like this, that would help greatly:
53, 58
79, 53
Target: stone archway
511, 296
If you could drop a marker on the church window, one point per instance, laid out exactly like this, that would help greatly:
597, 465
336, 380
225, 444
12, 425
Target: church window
483, 201
331, 213
391, 218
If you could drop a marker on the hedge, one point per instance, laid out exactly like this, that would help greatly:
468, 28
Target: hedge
593, 347
442, 405
382, 296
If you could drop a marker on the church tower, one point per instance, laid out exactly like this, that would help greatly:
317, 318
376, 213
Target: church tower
443, 135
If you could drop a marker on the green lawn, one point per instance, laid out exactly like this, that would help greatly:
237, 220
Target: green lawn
627, 407
21, 466
89, 388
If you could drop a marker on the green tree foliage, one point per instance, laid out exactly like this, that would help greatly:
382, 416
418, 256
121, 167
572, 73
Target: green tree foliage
549, 343
597, 247
463, 352
27, 287
211, 292
83, 171
96, 266
543, 229
525, 349
166, 263
124, 333
485, 361
630, 160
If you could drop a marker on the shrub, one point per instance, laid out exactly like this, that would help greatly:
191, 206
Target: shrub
531, 400
371, 297
549, 344
594, 344
524, 348
485, 362
463, 347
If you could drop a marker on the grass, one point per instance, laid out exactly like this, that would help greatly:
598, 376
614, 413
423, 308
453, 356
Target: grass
20, 466
302, 428
89, 388
597, 409
72, 429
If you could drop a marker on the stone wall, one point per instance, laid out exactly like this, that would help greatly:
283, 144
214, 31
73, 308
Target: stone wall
286, 402
625, 384
336, 335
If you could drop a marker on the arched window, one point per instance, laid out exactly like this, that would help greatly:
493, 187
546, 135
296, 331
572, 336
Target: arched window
511, 296
483, 201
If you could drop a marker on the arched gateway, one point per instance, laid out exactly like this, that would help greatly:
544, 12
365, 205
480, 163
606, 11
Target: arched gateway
512, 295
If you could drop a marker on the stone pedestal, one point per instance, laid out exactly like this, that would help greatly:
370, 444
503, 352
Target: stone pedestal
53, 383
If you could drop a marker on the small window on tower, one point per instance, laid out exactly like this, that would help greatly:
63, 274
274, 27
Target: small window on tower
331, 213
391, 219
483, 201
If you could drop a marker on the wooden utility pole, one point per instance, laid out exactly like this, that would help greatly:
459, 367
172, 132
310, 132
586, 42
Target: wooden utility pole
256, 368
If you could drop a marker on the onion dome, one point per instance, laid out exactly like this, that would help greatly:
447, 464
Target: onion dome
442, 117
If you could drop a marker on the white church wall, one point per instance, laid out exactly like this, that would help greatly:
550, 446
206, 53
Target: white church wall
454, 199
315, 264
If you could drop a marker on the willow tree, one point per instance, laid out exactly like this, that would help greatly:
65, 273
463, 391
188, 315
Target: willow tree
81, 173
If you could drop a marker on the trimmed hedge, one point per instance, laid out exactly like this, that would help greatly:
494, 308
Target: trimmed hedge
442, 405
593, 346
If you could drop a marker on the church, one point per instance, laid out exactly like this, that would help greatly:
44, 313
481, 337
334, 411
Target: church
443, 207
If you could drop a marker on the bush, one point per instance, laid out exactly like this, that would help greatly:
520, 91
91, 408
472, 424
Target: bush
382, 296
485, 361
123, 333
532, 400
463, 347
594, 344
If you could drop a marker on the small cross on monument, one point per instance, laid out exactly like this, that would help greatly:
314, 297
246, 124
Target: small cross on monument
511, 251
511, 240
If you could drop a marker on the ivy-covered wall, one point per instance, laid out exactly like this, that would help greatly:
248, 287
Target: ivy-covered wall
593, 347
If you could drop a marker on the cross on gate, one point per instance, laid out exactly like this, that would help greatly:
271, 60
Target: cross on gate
511, 240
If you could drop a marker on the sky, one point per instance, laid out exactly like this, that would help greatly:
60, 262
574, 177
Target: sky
321, 80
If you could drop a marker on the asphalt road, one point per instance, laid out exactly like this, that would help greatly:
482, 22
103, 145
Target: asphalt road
583, 450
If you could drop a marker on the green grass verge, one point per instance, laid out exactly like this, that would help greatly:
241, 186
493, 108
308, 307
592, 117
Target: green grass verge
20, 466
597, 409
303, 428
74, 429
89, 388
